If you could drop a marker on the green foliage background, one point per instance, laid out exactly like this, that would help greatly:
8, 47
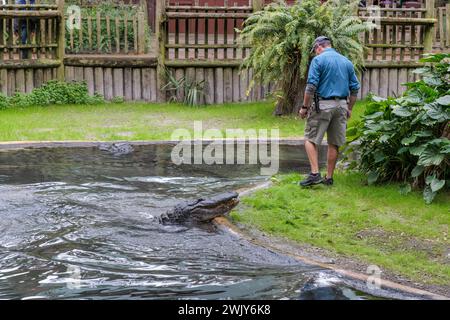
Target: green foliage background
281, 37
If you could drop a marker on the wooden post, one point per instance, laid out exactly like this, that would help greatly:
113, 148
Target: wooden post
160, 32
447, 9
257, 5
429, 29
61, 41
141, 32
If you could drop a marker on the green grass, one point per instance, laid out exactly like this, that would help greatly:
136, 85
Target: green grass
373, 223
130, 121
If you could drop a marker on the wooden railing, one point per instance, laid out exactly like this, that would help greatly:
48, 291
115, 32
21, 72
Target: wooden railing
442, 29
121, 30
207, 33
30, 34
403, 34
204, 32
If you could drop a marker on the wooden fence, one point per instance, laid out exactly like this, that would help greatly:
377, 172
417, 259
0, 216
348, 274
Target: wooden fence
442, 30
98, 32
197, 42
31, 44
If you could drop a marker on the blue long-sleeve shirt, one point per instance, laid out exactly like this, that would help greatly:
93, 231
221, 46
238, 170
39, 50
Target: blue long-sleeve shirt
333, 75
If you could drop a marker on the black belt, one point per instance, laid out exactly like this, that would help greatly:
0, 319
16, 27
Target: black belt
333, 98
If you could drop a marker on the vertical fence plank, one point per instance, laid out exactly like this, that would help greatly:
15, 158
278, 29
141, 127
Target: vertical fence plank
384, 82
236, 83
128, 84
374, 81
89, 78
200, 77
99, 31
179, 75
108, 83
141, 33
209, 86
228, 84
153, 85
402, 79
117, 34
11, 82
99, 80
219, 88
161, 52
393, 81
118, 82
29, 80
137, 92
146, 81
38, 77
365, 83
4, 81
447, 26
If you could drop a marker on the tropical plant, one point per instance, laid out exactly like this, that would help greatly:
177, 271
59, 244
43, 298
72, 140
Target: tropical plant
281, 38
193, 91
407, 138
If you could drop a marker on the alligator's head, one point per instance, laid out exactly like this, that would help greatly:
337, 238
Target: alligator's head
205, 210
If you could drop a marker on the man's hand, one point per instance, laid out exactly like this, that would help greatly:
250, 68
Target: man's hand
303, 113
349, 114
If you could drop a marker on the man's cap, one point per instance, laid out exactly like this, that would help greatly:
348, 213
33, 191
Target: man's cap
319, 40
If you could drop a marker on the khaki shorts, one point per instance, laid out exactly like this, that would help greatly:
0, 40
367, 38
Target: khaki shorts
331, 120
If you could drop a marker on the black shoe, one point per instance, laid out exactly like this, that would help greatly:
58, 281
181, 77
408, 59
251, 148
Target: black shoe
328, 181
311, 180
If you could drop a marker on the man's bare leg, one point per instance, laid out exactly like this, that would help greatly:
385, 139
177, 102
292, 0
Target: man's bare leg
333, 152
313, 156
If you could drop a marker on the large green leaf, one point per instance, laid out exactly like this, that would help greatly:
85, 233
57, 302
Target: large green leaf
428, 195
405, 188
372, 177
435, 111
430, 156
432, 81
435, 183
417, 151
401, 111
444, 101
407, 141
417, 171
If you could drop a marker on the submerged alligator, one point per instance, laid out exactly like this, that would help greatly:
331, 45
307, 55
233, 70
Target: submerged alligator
201, 210
117, 149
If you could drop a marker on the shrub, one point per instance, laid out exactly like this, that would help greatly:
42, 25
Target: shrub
3, 102
118, 99
53, 92
407, 138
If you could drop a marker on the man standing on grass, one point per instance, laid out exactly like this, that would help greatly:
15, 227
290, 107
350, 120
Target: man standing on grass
332, 78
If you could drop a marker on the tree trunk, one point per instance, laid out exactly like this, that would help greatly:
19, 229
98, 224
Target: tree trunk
293, 89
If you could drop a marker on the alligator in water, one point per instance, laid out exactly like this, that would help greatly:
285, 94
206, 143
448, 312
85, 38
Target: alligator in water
117, 149
201, 210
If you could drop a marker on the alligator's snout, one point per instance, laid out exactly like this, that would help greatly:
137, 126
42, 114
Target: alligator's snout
208, 209
202, 210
